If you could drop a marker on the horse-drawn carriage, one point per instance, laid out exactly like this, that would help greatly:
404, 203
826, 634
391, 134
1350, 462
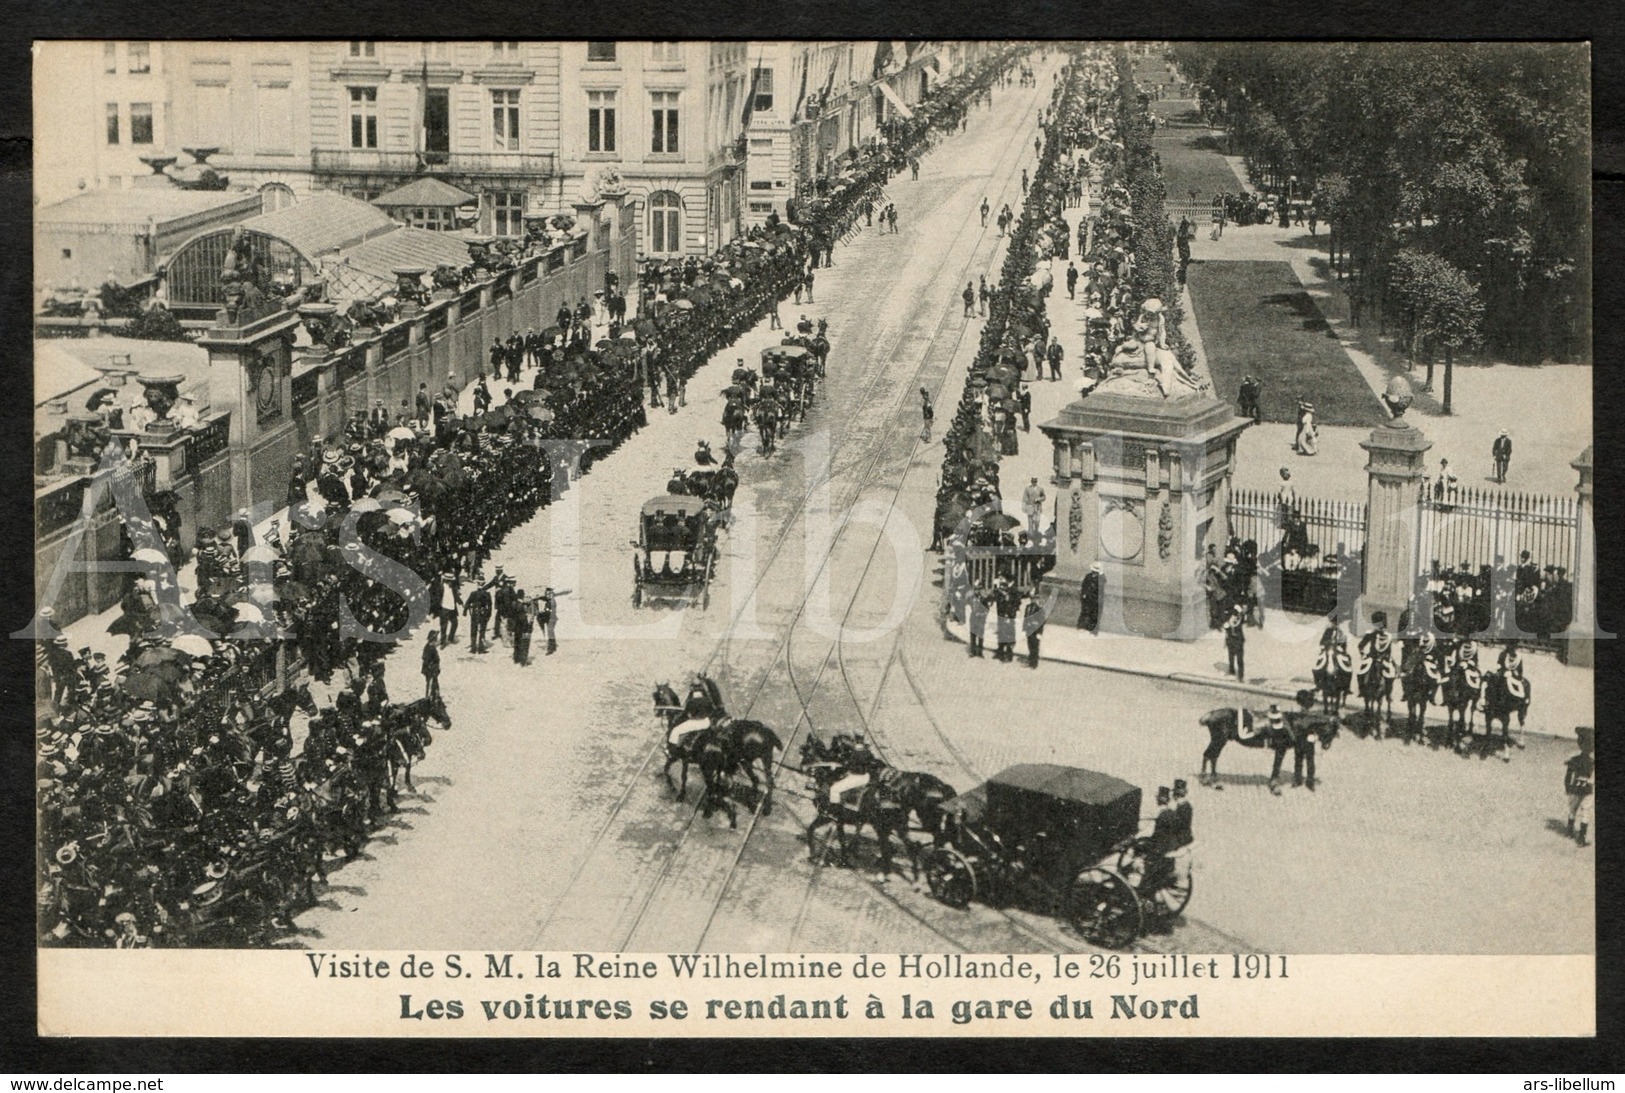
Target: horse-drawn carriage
676, 551
1061, 838
791, 370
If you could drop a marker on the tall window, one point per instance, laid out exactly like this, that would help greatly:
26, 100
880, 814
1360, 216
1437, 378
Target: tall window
762, 81
600, 121
212, 115
359, 50
112, 123
505, 51
505, 121
601, 51
666, 53
665, 222
363, 116
110, 57
274, 115
507, 212
663, 129
141, 123
140, 54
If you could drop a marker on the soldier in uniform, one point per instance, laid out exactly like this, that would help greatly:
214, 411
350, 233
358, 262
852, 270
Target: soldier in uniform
1235, 641
1580, 784
977, 624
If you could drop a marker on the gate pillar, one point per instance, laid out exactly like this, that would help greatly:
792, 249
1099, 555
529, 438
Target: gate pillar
1578, 648
1396, 452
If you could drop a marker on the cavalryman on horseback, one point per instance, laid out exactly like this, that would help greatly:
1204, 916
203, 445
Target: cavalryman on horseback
701, 709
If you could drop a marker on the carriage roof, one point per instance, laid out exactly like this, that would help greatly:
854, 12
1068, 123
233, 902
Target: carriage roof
1082, 809
673, 504
786, 352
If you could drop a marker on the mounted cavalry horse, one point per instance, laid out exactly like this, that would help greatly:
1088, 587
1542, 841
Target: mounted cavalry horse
874, 804
1506, 692
922, 794
1376, 675
1333, 674
1421, 670
1296, 731
1462, 684
407, 736
722, 747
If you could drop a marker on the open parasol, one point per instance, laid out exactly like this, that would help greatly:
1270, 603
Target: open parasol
1000, 521
261, 554
195, 645
401, 432
540, 413
365, 504
150, 555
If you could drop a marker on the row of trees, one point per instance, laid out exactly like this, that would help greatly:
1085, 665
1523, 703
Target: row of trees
1456, 177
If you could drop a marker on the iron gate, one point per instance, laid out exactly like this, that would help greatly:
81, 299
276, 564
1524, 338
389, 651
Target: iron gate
1314, 545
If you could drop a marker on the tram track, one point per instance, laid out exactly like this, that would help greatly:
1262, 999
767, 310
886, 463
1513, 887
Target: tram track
720, 655
803, 717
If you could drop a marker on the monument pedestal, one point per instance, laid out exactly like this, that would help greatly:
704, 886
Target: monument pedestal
1142, 481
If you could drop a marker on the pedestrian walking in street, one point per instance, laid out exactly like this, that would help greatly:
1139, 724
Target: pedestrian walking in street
891, 217
1032, 503
1091, 594
1056, 354
1024, 180
983, 295
1501, 453
969, 296
1032, 625
1024, 406
773, 322
548, 615
796, 292
808, 283
1235, 641
1071, 281
984, 212
431, 668
914, 166
927, 415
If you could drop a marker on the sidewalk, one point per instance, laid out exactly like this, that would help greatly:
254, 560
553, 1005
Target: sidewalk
1280, 659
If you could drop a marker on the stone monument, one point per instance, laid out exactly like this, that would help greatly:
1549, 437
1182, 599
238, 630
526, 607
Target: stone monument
1144, 464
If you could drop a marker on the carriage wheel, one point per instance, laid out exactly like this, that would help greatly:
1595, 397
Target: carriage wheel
1171, 899
637, 596
1104, 908
951, 877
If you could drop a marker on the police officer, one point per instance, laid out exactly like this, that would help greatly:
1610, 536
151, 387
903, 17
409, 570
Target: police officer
1032, 624
977, 622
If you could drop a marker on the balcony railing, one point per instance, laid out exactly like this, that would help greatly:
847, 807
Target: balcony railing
474, 164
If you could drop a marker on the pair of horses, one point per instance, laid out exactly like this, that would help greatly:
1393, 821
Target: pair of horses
1298, 732
884, 804
729, 746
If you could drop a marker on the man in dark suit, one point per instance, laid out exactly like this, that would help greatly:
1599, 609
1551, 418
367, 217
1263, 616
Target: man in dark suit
478, 610
1501, 452
1089, 599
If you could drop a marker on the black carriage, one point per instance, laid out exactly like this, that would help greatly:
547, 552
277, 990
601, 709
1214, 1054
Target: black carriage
1063, 840
676, 551
792, 370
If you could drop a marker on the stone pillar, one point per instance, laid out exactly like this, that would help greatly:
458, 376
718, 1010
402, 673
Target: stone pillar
250, 369
1144, 484
1579, 647
1396, 453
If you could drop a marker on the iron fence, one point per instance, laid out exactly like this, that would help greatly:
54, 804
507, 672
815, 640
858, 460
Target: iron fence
1478, 527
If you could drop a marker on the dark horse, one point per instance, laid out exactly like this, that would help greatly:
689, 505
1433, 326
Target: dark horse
406, 730
1332, 677
1376, 685
877, 805
1298, 732
1418, 678
751, 743
1460, 697
669, 708
921, 793
1502, 699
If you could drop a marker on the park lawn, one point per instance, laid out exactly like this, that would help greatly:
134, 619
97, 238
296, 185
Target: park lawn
1190, 156
1255, 318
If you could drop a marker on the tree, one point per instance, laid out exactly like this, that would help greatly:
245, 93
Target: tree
158, 324
1444, 308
